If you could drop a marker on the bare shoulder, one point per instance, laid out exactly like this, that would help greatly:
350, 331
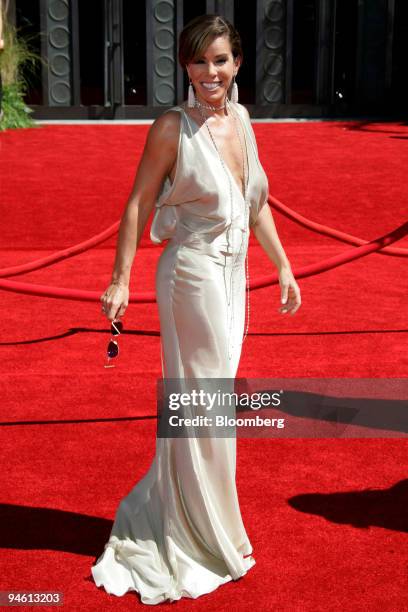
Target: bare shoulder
165, 130
161, 148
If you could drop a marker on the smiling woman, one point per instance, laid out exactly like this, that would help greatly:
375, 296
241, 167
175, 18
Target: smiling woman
211, 61
179, 532
212, 68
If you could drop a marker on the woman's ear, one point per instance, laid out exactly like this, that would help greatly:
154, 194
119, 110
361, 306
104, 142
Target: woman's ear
237, 63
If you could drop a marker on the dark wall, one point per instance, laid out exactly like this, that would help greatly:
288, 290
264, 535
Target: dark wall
365, 43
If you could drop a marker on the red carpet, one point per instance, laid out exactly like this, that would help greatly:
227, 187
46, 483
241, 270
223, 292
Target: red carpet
327, 518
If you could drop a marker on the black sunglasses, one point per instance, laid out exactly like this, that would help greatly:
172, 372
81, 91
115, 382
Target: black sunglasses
113, 347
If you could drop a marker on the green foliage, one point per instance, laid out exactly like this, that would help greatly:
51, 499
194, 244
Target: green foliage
16, 55
15, 111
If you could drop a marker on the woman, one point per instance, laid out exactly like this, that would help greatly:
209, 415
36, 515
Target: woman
179, 531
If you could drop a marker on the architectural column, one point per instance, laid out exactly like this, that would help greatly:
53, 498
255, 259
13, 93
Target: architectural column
161, 52
56, 51
271, 43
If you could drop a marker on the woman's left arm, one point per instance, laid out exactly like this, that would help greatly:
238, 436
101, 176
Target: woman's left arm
265, 231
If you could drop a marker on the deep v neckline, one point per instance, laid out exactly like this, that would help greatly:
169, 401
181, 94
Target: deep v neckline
209, 141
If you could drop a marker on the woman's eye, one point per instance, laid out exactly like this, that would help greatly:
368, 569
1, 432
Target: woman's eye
222, 61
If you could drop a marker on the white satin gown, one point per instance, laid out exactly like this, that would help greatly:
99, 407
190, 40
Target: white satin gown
179, 531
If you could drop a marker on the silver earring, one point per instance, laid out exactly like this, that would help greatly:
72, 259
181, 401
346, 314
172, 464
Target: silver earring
234, 91
191, 97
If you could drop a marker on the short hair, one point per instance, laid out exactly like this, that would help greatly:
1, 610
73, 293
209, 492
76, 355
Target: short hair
200, 32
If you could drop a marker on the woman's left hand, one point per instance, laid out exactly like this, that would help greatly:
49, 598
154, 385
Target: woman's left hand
290, 292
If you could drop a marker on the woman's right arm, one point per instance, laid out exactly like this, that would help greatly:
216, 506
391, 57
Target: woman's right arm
159, 156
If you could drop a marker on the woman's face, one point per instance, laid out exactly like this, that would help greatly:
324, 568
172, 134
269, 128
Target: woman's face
212, 73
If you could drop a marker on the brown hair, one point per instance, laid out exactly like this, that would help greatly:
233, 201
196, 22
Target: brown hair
200, 32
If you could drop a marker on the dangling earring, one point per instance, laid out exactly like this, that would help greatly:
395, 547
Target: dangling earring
234, 91
191, 97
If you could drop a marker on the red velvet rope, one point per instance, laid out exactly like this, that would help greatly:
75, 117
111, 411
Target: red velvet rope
149, 296
337, 260
60, 255
329, 231
110, 231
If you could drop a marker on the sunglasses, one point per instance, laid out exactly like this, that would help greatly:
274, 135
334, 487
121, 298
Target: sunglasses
113, 348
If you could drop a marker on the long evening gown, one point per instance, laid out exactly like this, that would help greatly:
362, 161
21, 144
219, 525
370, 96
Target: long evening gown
179, 531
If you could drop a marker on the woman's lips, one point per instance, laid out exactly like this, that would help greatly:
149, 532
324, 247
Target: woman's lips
211, 86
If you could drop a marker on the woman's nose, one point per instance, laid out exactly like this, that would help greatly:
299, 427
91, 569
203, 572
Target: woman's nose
212, 69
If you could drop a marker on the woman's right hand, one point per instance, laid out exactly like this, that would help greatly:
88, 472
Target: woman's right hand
115, 300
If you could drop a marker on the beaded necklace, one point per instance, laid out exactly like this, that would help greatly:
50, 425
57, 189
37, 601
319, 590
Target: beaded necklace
243, 235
